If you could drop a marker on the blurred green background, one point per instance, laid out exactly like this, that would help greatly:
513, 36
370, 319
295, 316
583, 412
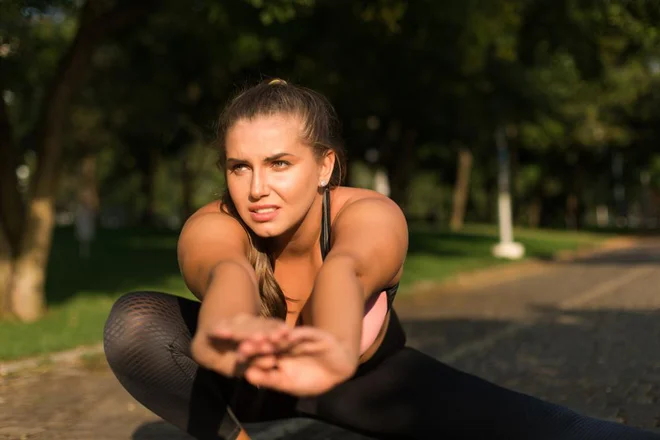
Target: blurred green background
108, 108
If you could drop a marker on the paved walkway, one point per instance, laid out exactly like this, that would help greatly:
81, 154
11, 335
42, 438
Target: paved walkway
583, 334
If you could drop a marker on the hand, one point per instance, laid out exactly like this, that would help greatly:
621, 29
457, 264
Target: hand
308, 361
215, 346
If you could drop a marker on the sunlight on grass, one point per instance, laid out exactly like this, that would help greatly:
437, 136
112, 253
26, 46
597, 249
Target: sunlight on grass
437, 255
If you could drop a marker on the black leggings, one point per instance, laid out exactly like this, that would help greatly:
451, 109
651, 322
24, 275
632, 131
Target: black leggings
399, 393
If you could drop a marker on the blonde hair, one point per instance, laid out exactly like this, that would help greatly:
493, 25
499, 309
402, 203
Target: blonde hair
320, 132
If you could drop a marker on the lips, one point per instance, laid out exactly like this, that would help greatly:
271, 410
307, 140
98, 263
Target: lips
264, 213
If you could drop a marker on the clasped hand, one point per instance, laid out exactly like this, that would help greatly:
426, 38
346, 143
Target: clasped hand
302, 361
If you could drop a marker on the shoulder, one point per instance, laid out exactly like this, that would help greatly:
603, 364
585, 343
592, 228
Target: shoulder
368, 221
369, 227
209, 237
364, 206
211, 225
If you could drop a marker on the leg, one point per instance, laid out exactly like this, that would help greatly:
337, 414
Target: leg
411, 395
146, 340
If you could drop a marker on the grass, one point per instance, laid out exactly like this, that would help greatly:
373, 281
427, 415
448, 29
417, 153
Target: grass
80, 292
437, 255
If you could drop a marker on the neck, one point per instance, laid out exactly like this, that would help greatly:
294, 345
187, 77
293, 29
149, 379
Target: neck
303, 239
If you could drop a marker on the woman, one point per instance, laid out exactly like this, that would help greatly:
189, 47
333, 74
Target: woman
296, 276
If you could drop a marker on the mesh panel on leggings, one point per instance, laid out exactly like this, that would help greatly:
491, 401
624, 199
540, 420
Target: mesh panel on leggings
147, 344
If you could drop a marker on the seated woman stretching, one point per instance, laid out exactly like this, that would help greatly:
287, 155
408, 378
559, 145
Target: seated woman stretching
296, 276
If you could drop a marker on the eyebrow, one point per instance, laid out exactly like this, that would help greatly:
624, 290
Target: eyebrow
267, 159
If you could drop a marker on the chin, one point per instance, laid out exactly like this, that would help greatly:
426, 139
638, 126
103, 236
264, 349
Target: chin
266, 230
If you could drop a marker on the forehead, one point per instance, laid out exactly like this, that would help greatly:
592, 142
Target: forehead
264, 136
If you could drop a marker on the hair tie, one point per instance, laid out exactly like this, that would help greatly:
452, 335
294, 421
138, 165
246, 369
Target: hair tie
277, 81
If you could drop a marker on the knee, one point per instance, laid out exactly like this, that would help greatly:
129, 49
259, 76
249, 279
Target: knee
135, 327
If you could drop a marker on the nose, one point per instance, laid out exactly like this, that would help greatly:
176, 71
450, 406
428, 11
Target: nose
258, 185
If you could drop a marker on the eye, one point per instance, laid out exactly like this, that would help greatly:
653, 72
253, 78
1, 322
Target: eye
238, 167
280, 164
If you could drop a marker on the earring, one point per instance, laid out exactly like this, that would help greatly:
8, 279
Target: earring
323, 183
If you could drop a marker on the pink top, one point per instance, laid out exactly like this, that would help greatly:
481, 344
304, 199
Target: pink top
375, 311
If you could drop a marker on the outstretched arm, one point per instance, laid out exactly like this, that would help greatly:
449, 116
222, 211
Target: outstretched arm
212, 253
368, 250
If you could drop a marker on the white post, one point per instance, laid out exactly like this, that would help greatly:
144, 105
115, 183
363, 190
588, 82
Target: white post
506, 248
85, 228
381, 182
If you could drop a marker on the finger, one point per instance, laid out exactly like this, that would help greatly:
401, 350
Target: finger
303, 341
272, 378
266, 347
278, 334
309, 338
256, 328
283, 344
249, 348
308, 334
278, 338
275, 332
305, 348
254, 336
225, 332
222, 331
267, 362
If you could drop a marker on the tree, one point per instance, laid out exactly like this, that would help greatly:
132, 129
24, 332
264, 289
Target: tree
27, 220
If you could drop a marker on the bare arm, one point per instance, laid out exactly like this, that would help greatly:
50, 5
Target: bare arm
212, 252
369, 248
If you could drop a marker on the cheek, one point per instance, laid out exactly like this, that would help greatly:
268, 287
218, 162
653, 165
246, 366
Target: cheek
238, 189
294, 183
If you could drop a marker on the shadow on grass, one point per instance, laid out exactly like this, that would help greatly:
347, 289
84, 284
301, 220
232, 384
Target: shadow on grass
121, 260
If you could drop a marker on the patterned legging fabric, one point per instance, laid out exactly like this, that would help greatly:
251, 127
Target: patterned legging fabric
403, 393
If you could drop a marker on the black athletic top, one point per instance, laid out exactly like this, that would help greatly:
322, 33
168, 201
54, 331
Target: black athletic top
325, 243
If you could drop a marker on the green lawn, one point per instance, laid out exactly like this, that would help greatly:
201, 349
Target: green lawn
81, 292
436, 255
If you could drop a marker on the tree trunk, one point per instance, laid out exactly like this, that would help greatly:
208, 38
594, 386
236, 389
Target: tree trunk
12, 207
461, 189
27, 293
6, 270
30, 245
88, 192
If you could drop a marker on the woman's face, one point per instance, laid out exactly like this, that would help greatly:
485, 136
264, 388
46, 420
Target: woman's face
272, 176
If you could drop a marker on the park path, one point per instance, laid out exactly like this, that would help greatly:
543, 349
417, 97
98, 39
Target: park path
584, 334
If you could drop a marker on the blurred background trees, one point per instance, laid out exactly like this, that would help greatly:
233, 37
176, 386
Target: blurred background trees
109, 106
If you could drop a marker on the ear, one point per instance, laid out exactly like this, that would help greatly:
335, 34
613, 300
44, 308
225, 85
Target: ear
326, 166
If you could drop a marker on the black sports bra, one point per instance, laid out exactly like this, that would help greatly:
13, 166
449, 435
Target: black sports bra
325, 243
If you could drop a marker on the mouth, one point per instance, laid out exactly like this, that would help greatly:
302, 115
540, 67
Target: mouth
263, 214
264, 210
